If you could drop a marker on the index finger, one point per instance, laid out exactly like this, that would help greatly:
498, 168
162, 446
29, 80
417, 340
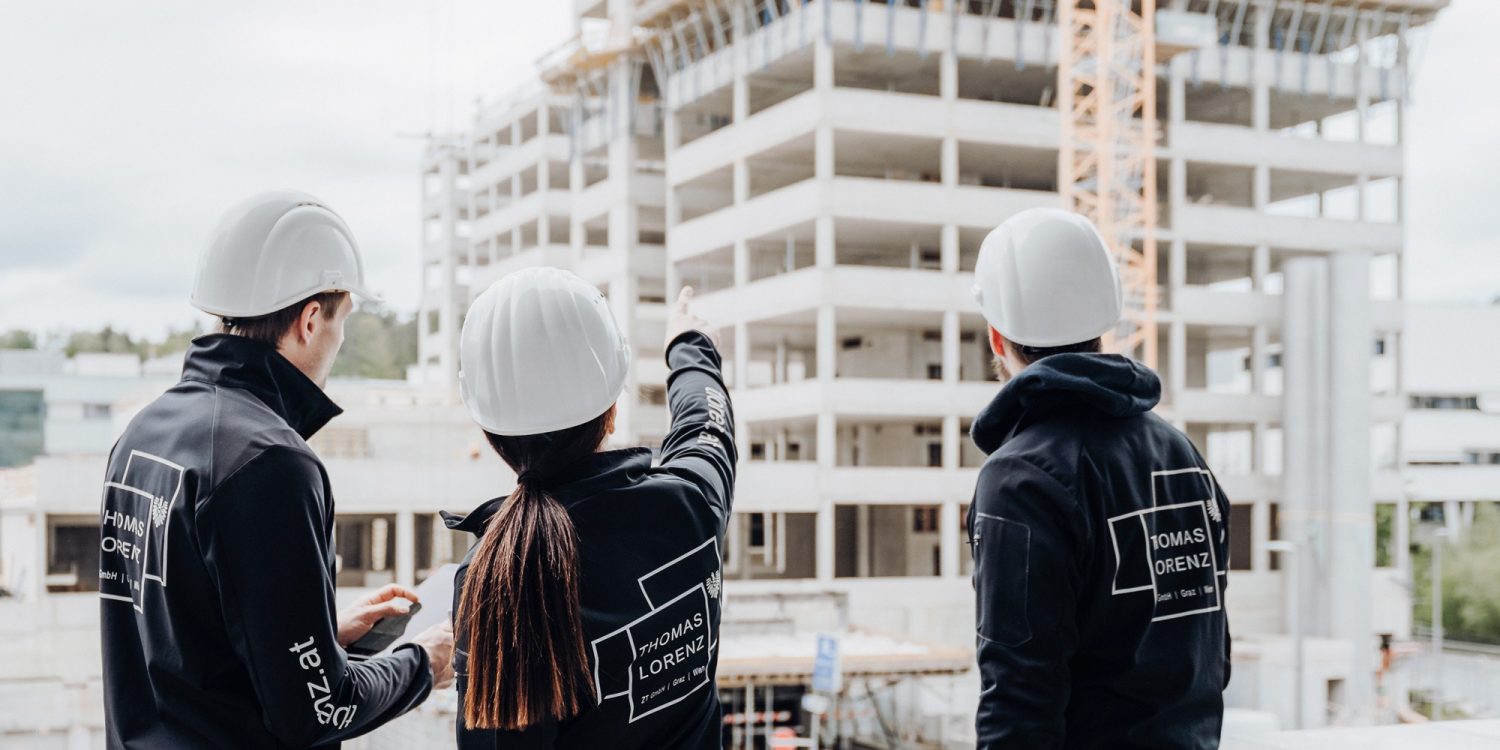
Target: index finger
683, 297
391, 591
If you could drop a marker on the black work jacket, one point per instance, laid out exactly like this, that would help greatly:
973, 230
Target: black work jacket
1100, 558
649, 540
217, 569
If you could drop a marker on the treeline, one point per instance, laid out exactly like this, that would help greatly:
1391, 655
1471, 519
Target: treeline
378, 343
1471, 588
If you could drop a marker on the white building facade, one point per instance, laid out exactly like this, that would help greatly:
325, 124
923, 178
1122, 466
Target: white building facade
823, 174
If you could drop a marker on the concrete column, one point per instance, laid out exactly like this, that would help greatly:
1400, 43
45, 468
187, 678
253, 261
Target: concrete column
1260, 268
1260, 187
948, 541
624, 231
950, 162
824, 254
948, 253
827, 345
1349, 470
1304, 436
1176, 360
741, 357
824, 545
739, 106
1260, 87
406, 552
741, 181
1176, 266
823, 135
950, 347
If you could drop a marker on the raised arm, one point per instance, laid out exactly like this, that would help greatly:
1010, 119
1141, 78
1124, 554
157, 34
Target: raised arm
699, 445
264, 536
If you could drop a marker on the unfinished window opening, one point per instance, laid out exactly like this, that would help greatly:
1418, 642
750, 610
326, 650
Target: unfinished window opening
435, 545
771, 546
878, 541
888, 245
896, 352
73, 545
890, 443
887, 157
365, 548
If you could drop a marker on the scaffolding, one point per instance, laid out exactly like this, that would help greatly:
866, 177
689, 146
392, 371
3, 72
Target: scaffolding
1106, 83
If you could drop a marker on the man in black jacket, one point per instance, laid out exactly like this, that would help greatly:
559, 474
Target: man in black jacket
1099, 536
216, 575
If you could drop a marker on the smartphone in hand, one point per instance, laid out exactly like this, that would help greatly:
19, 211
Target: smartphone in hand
382, 635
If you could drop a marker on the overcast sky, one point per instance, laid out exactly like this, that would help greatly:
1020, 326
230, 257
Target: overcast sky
126, 128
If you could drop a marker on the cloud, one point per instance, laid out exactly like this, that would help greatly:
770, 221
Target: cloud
1452, 156
126, 130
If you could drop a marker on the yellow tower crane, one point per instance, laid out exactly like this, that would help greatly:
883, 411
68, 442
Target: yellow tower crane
1106, 83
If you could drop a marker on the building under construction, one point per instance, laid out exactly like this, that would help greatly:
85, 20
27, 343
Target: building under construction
823, 173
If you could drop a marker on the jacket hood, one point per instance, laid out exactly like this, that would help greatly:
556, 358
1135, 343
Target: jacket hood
1109, 384
231, 361
600, 471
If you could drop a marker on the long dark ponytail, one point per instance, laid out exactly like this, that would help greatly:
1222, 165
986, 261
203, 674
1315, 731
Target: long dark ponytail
519, 616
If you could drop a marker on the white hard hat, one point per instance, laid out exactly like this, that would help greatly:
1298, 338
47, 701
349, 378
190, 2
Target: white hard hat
540, 352
273, 250
1045, 278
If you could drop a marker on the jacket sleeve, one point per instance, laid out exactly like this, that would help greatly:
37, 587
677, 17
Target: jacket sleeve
699, 446
1024, 526
264, 534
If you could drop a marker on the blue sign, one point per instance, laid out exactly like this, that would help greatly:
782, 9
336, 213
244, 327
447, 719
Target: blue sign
828, 674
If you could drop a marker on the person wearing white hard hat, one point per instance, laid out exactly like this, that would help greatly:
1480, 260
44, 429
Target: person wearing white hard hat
1099, 535
587, 611
217, 574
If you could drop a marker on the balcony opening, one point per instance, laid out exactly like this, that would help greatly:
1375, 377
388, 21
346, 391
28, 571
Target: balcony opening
709, 272
72, 554
1219, 185
1229, 448
887, 157
793, 252
1008, 167
888, 245
780, 441
890, 443
1033, 86
1241, 536
435, 545
878, 541
780, 353
705, 194
887, 345
771, 546
781, 80
365, 550
1215, 104
903, 71
781, 165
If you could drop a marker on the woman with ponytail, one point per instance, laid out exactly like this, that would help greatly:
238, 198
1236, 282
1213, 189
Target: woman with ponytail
586, 615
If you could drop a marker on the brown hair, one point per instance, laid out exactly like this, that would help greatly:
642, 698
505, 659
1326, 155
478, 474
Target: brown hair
519, 615
1030, 354
269, 328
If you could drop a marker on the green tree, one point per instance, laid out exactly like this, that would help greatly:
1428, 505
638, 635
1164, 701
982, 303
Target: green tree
106, 339
1471, 588
17, 338
378, 343
175, 342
